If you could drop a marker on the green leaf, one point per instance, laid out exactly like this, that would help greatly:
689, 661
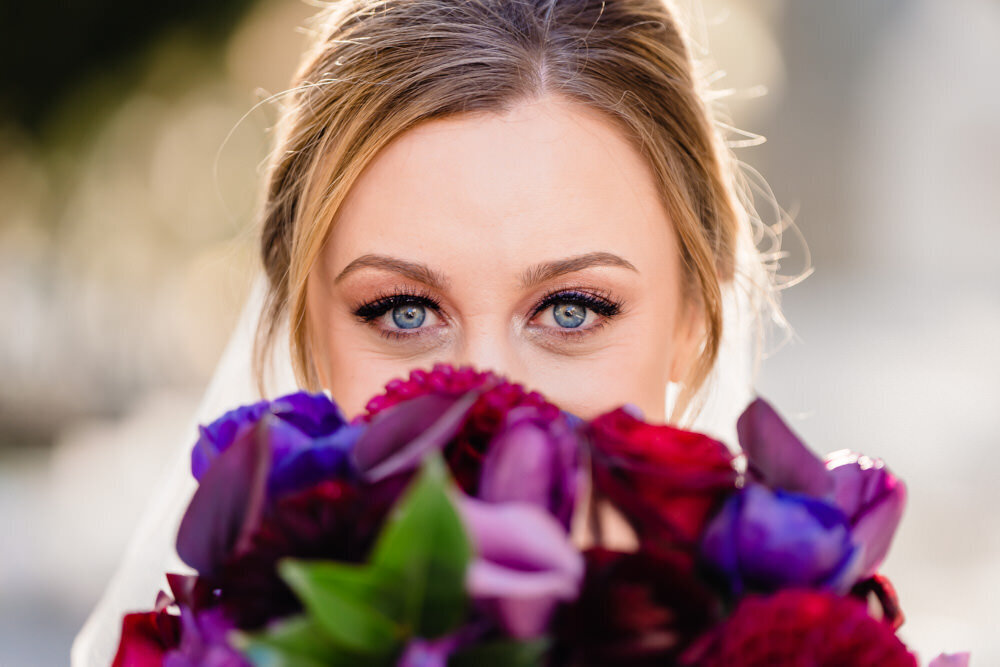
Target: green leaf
425, 548
504, 653
346, 603
296, 642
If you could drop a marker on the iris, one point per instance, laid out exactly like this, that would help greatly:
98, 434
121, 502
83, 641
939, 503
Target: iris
569, 315
409, 316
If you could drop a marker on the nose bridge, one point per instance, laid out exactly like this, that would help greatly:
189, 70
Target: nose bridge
487, 344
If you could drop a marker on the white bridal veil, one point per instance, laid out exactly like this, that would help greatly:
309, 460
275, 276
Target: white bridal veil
150, 552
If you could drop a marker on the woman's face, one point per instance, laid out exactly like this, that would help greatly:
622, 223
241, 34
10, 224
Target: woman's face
532, 244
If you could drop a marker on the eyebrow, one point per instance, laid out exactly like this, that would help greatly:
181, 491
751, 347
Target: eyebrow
412, 270
540, 273
533, 276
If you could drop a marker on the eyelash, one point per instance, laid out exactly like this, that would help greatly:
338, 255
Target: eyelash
600, 301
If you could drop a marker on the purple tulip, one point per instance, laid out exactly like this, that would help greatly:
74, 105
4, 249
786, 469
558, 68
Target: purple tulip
763, 540
524, 563
534, 459
873, 500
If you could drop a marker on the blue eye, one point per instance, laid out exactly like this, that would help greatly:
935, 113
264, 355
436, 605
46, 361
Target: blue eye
569, 315
571, 310
409, 316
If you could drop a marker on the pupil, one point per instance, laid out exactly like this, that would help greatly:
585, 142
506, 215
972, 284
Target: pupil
409, 316
569, 315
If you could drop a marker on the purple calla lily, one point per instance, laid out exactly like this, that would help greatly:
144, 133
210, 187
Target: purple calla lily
525, 563
776, 456
399, 437
229, 502
873, 500
534, 459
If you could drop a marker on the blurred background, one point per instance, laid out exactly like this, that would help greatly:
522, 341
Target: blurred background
131, 149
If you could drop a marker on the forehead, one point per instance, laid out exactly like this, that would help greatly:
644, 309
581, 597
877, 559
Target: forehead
549, 179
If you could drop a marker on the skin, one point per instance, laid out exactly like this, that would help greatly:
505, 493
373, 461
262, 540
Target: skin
479, 199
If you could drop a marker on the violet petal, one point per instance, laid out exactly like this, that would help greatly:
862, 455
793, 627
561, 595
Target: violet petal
873, 500
398, 438
313, 414
221, 433
960, 659
427, 652
776, 455
534, 459
228, 502
764, 540
324, 458
875, 529
525, 563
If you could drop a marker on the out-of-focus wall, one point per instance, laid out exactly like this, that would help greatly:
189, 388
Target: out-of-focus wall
126, 249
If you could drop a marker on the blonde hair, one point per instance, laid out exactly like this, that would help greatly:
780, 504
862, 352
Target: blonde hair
377, 68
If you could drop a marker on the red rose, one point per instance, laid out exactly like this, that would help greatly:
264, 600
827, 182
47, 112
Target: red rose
665, 480
797, 627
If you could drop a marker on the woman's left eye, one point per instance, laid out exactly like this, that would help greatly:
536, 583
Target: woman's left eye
575, 312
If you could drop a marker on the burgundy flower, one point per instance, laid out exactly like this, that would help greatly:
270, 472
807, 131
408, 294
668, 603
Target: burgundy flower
466, 447
634, 609
398, 437
667, 481
797, 627
441, 380
336, 520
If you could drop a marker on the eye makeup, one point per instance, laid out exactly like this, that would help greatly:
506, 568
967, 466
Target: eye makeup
599, 301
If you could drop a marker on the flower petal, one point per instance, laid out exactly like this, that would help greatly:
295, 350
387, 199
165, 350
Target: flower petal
533, 459
229, 501
520, 536
398, 438
951, 660
776, 455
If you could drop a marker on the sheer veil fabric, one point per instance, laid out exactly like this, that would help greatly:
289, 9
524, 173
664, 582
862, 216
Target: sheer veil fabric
151, 553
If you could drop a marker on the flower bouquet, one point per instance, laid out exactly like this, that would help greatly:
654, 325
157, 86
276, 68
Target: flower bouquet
463, 520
